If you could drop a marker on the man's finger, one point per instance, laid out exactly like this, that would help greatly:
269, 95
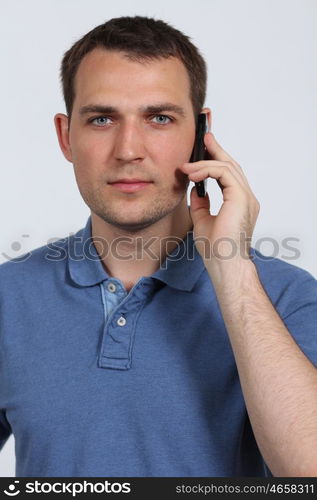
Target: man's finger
204, 165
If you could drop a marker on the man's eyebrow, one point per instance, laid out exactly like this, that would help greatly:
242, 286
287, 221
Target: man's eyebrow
95, 108
151, 109
165, 106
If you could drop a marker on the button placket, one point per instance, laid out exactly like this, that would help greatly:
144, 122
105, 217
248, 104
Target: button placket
118, 336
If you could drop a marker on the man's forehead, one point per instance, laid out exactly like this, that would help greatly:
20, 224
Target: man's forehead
104, 70
100, 55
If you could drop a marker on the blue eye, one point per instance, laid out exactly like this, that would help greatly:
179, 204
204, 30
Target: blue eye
163, 119
100, 118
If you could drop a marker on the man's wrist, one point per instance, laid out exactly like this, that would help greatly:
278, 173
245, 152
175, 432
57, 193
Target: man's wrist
233, 274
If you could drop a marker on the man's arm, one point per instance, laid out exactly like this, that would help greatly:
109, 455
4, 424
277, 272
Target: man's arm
278, 381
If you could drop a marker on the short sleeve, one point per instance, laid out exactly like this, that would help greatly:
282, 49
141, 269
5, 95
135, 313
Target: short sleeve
298, 309
301, 318
293, 292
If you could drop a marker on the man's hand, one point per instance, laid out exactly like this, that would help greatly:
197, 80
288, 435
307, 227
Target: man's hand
228, 233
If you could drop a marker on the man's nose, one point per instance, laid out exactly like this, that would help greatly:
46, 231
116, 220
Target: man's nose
129, 145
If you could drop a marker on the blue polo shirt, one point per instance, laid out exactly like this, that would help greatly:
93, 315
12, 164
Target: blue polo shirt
98, 382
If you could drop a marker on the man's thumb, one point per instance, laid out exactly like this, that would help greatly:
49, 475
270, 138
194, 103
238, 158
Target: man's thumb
199, 207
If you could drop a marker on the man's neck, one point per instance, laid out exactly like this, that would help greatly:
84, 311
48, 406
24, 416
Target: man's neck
128, 255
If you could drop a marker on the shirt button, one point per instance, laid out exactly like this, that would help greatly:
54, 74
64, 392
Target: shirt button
111, 287
121, 321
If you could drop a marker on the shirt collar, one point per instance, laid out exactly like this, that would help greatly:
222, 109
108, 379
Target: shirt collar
181, 269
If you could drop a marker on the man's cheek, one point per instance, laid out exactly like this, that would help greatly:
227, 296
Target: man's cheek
85, 157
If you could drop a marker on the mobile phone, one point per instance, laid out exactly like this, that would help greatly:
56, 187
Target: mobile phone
199, 150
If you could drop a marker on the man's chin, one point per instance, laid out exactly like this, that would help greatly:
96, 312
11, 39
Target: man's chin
130, 224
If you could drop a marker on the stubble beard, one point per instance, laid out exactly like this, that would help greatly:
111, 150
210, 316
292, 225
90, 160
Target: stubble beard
128, 220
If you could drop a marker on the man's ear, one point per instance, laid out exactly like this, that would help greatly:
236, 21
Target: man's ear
62, 131
207, 112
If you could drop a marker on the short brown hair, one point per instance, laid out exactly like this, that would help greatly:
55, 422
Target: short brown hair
140, 38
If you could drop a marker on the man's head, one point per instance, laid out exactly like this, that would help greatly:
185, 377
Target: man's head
133, 88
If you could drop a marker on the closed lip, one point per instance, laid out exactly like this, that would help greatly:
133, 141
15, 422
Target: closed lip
129, 181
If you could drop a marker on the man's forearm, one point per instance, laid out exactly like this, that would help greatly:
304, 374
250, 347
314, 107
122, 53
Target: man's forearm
278, 381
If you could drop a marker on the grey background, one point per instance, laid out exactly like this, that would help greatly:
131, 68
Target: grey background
261, 56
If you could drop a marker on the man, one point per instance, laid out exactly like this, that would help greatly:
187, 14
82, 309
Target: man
155, 341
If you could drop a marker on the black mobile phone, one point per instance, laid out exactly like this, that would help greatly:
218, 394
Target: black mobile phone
199, 150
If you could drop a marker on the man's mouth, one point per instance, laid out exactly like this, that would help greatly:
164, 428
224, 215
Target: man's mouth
130, 185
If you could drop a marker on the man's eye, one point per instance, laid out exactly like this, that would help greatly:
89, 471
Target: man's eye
162, 119
100, 120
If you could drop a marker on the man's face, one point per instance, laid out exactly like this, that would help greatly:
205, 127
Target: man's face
145, 131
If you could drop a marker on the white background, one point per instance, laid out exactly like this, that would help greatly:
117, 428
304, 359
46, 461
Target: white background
261, 57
